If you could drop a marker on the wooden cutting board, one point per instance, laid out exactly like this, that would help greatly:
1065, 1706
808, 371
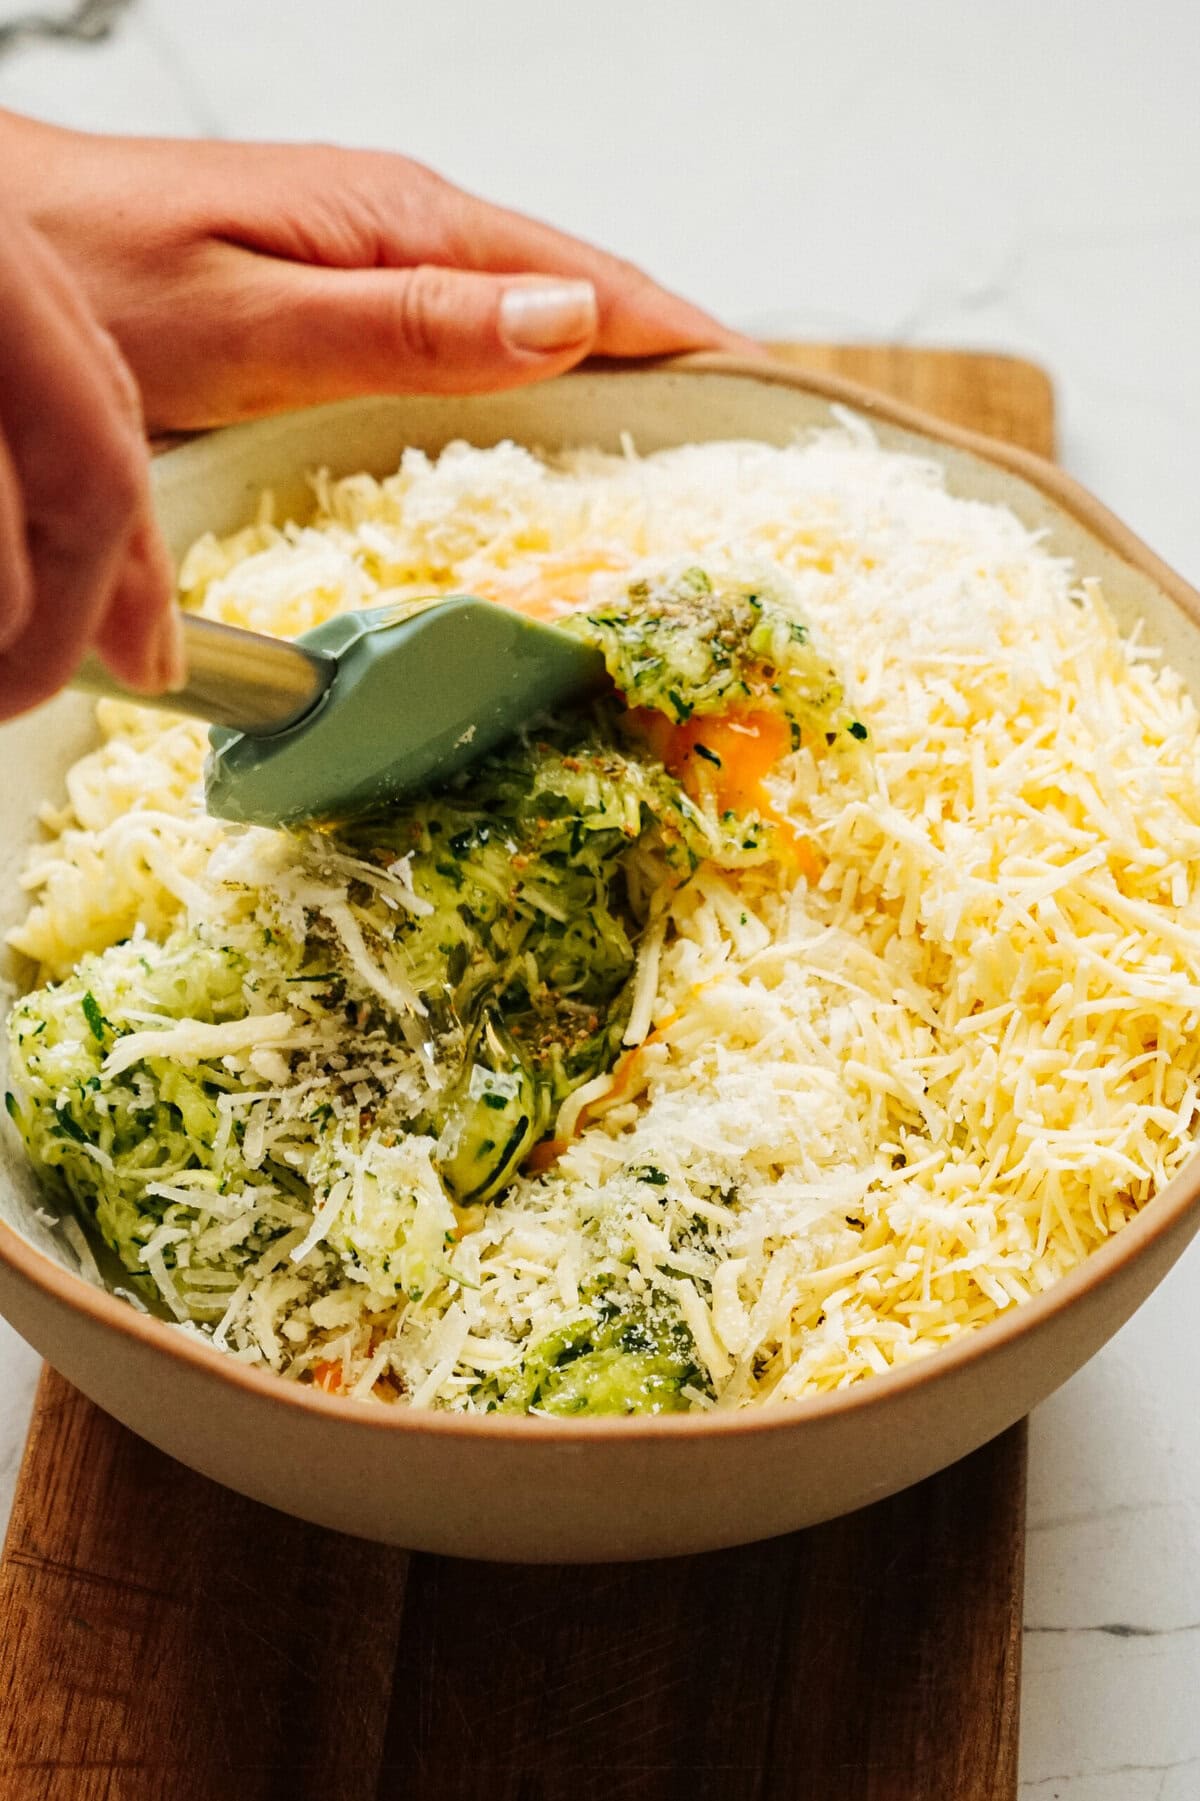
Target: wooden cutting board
165, 1640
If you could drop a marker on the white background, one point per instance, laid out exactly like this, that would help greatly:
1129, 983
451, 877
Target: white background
1012, 174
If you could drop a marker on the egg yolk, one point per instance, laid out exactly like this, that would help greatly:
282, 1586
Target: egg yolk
728, 756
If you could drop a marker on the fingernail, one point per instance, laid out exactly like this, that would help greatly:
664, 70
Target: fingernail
171, 659
547, 315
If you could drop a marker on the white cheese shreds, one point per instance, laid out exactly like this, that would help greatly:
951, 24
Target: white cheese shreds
858, 1112
194, 1040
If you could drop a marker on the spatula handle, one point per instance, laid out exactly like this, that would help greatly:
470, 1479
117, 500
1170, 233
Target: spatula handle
234, 677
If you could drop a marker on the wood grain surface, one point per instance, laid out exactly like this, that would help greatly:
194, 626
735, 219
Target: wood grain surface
163, 1639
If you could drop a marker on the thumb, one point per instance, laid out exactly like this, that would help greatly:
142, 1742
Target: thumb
425, 330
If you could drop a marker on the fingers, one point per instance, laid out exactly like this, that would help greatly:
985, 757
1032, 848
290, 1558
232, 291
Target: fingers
318, 334
364, 210
73, 446
449, 331
177, 246
384, 209
414, 216
141, 640
637, 317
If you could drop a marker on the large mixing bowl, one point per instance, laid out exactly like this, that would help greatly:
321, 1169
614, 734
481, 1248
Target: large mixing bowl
534, 1489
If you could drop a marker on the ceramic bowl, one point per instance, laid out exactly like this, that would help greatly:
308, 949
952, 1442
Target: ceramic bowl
529, 1489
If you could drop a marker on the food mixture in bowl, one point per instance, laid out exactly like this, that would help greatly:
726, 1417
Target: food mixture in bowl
829, 986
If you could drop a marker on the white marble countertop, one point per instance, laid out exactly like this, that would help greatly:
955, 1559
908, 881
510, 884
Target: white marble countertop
1017, 176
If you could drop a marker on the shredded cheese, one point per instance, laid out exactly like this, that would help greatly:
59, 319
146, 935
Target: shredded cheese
861, 1114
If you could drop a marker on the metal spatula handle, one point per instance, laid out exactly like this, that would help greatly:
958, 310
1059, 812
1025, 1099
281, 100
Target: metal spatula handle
238, 678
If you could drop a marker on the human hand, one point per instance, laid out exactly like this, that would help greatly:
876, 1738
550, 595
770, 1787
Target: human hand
243, 279
81, 561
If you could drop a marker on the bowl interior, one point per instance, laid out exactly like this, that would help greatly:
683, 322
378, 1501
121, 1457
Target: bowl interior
213, 484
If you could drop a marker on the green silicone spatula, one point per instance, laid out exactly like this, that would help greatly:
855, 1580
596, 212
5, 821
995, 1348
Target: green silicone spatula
366, 709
